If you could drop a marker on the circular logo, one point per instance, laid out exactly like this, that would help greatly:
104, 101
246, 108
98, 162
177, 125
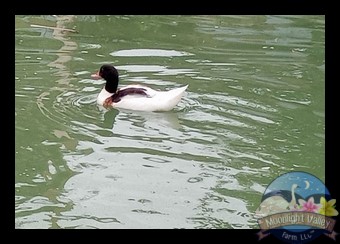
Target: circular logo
296, 207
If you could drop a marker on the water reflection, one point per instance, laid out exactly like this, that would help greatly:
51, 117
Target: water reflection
149, 52
39, 208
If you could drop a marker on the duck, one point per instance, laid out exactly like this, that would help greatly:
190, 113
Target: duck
134, 97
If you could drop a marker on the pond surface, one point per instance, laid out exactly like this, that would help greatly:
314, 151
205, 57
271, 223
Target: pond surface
254, 109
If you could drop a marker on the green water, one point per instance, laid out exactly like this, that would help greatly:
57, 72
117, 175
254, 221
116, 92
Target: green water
254, 109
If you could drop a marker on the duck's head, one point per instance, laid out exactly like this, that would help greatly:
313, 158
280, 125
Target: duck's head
110, 74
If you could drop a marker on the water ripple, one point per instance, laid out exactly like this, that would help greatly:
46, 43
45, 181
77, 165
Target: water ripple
149, 52
253, 109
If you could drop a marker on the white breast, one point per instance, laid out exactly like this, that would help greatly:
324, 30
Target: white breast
103, 95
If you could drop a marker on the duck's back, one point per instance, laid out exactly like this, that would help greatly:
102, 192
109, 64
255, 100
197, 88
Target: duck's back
153, 101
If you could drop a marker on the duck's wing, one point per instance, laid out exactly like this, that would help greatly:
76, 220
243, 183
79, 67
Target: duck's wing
130, 91
149, 91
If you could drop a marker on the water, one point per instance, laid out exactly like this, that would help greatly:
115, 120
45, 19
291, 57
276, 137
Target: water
254, 110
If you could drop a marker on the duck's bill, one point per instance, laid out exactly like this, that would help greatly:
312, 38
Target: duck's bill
96, 76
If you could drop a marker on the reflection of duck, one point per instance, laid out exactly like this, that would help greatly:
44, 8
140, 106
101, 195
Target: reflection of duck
135, 97
276, 204
165, 123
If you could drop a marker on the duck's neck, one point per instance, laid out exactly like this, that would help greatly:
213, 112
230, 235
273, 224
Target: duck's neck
111, 86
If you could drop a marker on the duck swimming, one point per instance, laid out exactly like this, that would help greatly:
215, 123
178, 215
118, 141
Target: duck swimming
134, 97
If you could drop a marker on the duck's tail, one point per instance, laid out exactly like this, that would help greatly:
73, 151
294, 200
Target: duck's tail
172, 97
